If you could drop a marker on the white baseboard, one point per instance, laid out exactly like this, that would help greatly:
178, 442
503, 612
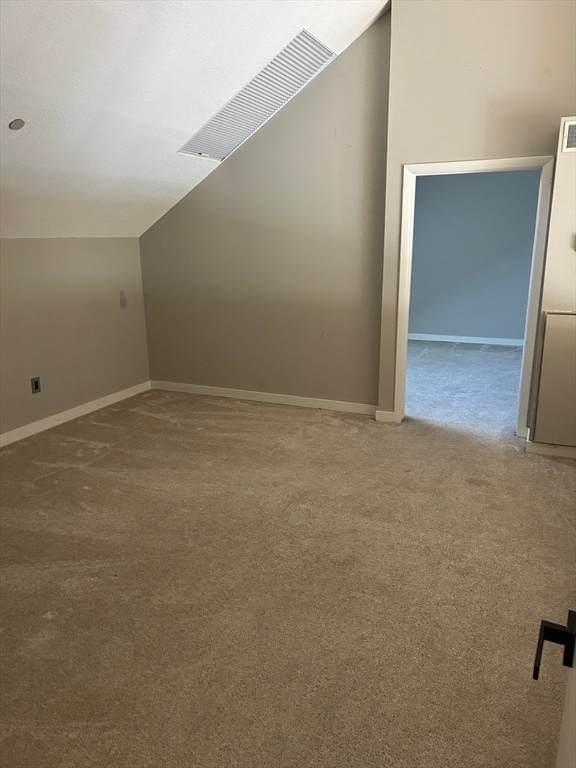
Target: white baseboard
73, 413
547, 449
389, 416
266, 397
466, 339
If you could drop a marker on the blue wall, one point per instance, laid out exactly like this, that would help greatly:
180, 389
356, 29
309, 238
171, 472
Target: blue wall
473, 237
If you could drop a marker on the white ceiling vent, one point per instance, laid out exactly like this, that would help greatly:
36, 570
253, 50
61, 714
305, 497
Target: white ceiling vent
278, 82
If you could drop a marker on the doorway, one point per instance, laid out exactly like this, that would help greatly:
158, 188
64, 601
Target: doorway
472, 255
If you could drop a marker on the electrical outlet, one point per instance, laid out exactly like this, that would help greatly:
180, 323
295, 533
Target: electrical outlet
35, 382
123, 300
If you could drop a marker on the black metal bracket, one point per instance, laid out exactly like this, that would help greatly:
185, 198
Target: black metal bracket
560, 634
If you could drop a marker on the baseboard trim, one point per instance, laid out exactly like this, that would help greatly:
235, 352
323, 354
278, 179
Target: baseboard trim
266, 397
547, 449
466, 339
388, 416
72, 413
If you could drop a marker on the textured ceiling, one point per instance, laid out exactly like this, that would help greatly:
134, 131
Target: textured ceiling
111, 89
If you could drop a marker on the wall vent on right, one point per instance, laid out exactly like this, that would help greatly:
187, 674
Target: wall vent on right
569, 139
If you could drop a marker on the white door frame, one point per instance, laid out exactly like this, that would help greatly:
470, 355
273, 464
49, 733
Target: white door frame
411, 173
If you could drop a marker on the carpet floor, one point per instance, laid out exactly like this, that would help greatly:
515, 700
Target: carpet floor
192, 582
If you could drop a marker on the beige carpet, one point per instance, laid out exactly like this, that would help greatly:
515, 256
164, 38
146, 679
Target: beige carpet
203, 583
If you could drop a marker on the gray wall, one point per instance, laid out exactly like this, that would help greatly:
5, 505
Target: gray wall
60, 319
472, 253
267, 276
469, 80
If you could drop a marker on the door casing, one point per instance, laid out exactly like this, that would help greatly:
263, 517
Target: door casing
411, 173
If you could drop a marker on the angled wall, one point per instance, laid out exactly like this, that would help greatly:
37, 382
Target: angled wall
469, 81
267, 276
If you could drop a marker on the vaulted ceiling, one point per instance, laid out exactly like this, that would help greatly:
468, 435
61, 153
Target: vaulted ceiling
111, 89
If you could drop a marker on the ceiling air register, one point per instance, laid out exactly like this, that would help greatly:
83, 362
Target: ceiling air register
274, 86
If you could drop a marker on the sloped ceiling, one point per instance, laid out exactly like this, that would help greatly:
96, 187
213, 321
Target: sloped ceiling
111, 89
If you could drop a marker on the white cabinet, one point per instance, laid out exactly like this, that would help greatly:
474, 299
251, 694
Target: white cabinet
555, 420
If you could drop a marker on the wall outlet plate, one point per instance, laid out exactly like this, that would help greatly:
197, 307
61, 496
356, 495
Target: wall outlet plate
35, 383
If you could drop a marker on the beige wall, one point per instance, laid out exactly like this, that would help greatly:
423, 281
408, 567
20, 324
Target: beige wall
61, 320
267, 276
469, 80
